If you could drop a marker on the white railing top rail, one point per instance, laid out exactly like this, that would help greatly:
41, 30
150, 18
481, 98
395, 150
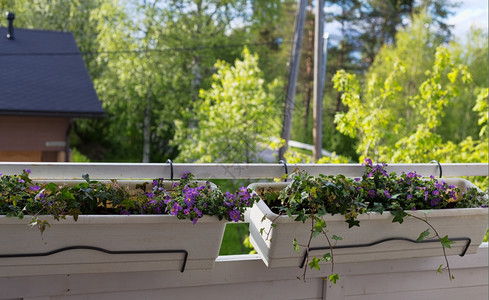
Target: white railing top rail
120, 171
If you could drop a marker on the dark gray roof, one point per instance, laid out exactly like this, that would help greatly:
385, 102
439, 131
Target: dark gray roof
43, 73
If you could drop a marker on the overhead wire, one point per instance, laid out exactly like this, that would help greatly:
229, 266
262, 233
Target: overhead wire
139, 51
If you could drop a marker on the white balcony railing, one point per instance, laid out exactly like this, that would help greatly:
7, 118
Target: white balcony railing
246, 276
224, 171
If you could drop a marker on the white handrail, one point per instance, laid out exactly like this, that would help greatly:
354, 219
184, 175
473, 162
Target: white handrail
223, 171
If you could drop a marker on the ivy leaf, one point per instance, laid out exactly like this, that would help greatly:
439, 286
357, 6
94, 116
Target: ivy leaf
445, 242
423, 235
440, 269
337, 238
318, 227
333, 278
398, 216
86, 177
327, 257
296, 246
378, 207
352, 223
314, 263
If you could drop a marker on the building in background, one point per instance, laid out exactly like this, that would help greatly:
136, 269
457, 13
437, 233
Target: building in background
44, 84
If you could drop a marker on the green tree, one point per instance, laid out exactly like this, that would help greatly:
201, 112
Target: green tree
158, 56
460, 121
236, 118
384, 138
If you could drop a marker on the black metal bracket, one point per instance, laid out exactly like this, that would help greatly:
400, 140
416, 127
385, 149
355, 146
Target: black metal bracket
171, 168
283, 162
468, 240
182, 269
439, 165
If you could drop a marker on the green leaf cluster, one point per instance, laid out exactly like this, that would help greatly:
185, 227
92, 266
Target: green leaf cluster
185, 199
236, 119
313, 198
419, 100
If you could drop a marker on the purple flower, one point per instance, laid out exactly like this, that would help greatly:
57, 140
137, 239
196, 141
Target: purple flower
21, 180
28, 171
198, 212
185, 175
235, 215
435, 192
426, 196
166, 199
244, 194
175, 209
150, 195
195, 220
409, 197
34, 188
387, 194
435, 201
371, 193
358, 179
379, 168
125, 212
368, 162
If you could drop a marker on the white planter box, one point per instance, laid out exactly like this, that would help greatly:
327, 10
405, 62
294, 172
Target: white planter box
202, 242
277, 250
170, 243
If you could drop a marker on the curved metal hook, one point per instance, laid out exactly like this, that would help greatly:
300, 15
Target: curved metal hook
171, 168
282, 161
439, 165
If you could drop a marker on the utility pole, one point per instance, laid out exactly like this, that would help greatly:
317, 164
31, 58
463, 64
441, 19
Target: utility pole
317, 131
295, 56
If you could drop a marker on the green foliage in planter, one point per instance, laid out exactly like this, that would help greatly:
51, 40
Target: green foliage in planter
312, 197
186, 199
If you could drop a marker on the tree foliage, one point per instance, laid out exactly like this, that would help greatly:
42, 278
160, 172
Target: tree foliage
399, 113
237, 117
149, 60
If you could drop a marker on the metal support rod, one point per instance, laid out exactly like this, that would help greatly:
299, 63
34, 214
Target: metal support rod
466, 247
78, 247
317, 131
295, 57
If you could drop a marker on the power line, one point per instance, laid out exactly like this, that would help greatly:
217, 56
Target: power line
138, 51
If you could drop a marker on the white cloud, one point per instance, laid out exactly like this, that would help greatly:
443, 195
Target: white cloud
470, 13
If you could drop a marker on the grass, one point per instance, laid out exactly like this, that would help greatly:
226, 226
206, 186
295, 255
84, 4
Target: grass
235, 239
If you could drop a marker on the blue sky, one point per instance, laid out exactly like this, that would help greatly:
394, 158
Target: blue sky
470, 12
